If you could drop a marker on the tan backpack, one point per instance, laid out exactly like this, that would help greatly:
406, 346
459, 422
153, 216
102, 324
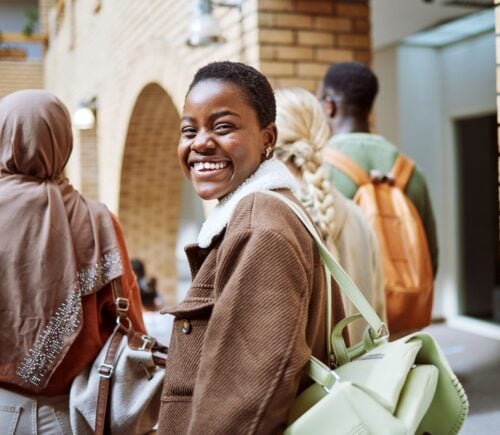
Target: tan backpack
406, 260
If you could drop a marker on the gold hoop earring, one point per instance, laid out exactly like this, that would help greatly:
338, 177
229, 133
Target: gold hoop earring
269, 150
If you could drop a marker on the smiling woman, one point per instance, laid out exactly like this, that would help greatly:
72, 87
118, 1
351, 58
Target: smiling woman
255, 310
222, 142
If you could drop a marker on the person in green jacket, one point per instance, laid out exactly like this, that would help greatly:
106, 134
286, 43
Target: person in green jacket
348, 92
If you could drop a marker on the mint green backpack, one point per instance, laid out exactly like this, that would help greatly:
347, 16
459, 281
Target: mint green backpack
378, 387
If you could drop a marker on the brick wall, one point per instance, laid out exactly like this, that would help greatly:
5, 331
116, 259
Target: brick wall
151, 185
132, 57
89, 163
20, 74
43, 13
298, 40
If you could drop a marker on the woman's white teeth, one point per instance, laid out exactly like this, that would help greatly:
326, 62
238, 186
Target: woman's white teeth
209, 165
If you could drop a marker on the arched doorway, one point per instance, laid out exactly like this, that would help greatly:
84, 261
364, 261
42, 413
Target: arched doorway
150, 187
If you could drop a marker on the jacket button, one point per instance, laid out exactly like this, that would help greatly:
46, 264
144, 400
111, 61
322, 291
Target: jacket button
186, 326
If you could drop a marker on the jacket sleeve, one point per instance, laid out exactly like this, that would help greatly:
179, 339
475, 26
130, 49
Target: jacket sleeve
245, 384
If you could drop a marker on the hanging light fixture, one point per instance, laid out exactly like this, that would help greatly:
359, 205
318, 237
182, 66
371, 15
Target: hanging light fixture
204, 28
84, 116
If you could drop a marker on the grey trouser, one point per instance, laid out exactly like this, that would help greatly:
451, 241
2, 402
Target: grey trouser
33, 415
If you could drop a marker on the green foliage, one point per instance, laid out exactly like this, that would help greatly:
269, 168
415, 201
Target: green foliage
31, 21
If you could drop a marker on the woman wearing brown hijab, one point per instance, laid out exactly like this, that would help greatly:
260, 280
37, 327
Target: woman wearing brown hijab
58, 254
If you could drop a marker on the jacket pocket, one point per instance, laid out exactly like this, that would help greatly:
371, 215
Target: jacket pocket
199, 300
192, 307
191, 320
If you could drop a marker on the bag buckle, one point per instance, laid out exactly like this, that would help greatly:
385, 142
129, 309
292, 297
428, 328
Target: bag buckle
122, 304
383, 331
105, 371
146, 341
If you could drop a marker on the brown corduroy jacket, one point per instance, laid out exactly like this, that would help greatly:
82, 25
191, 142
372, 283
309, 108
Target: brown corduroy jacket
243, 334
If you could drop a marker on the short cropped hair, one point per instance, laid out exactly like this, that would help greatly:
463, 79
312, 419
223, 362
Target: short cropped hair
254, 85
138, 268
354, 81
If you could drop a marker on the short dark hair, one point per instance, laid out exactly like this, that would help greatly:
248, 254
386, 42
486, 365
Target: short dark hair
148, 292
254, 85
354, 81
138, 268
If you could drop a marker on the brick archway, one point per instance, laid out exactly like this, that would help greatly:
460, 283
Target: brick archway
150, 187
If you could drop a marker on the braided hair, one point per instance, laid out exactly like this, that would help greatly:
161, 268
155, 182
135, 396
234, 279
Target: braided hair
302, 134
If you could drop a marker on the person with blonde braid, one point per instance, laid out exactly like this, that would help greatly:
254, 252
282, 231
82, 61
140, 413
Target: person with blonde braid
302, 134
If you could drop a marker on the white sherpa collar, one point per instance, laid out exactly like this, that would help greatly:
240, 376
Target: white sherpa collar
271, 174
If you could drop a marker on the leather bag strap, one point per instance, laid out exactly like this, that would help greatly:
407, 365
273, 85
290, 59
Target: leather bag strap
106, 369
105, 373
347, 165
401, 171
347, 286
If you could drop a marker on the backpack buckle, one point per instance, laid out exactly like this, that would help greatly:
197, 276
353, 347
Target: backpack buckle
377, 176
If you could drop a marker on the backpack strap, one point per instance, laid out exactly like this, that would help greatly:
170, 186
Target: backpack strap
402, 171
347, 165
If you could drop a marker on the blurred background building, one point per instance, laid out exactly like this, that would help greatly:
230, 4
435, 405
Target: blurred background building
123, 67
